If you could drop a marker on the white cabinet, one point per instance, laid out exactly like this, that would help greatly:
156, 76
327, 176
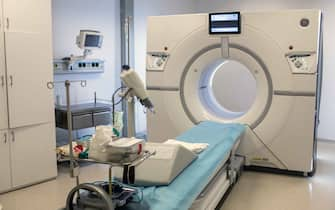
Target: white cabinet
5, 164
27, 15
3, 85
27, 156
38, 146
3, 101
28, 49
29, 99
27, 139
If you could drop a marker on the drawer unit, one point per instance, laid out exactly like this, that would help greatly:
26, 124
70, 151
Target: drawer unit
82, 121
84, 115
102, 118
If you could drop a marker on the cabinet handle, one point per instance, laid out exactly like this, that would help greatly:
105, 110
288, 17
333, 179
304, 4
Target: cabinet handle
2, 81
7, 23
13, 136
11, 81
5, 138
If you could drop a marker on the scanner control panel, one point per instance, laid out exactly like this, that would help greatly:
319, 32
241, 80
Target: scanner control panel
302, 63
157, 61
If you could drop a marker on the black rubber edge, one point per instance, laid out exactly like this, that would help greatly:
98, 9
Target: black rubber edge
227, 193
224, 198
279, 171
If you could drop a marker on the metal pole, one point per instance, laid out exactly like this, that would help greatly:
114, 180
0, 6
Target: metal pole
127, 28
110, 180
131, 131
69, 128
69, 123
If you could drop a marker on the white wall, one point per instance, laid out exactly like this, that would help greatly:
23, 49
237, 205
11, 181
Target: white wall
143, 9
326, 129
69, 16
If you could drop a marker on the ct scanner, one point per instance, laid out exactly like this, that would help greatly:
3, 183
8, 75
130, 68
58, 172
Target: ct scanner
281, 52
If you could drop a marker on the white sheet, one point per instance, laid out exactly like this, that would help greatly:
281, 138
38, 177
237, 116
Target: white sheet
194, 147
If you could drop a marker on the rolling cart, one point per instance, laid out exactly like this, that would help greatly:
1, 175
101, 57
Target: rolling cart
105, 195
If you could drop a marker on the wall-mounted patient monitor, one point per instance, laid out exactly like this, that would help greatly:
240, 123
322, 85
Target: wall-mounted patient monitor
225, 23
89, 39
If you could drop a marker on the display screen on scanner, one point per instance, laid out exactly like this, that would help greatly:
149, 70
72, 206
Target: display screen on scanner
225, 23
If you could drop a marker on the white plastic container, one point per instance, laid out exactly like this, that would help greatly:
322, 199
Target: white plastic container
125, 149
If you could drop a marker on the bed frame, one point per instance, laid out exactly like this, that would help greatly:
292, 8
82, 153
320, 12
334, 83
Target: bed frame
221, 182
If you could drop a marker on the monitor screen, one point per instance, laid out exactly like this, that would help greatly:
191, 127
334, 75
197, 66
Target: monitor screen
225, 23
92, 40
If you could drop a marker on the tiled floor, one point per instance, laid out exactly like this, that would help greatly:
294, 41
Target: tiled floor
255, 191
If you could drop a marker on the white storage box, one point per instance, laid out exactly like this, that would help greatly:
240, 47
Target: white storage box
124, 149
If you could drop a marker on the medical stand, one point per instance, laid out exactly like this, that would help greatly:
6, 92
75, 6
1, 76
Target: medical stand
74, 162
131, 116
73, 165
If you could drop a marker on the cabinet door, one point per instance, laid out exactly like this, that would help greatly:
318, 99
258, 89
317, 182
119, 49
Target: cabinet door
33, 154
5, 175
29, 69
27, 15
3, 88
28, 45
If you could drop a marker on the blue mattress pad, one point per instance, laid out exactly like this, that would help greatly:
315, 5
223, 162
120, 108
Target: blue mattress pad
184, 190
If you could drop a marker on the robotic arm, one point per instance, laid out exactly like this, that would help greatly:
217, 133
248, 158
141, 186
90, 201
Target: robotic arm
132, 80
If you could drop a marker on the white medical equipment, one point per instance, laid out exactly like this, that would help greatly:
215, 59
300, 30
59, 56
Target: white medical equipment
163, 167
135, 88
282, 52
68, 65
87, 40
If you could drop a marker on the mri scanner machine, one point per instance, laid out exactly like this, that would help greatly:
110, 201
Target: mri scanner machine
280, 53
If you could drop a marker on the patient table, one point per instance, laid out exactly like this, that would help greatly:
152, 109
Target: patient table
203, 183
200, 186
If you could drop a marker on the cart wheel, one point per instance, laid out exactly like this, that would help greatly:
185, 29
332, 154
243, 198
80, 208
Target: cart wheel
91, 188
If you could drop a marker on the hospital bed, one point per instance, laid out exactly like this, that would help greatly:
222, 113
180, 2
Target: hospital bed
204, 183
